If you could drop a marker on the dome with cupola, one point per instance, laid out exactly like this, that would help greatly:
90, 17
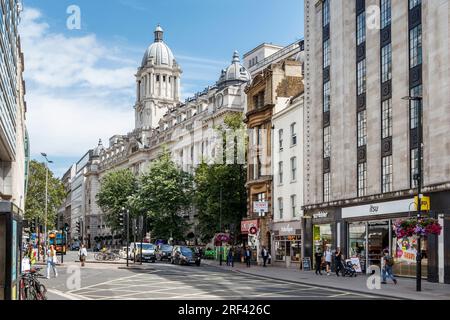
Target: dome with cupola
158, 52
235, 73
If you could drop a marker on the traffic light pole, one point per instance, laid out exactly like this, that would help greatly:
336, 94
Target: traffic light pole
128, 233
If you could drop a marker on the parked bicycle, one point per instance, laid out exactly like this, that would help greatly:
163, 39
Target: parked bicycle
30, 287
106, 256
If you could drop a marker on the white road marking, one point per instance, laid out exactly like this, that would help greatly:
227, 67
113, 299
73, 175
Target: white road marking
67, 295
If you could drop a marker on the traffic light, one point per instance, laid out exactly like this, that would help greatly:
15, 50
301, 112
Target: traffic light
66, 227
78, 227
32, 226
121, 219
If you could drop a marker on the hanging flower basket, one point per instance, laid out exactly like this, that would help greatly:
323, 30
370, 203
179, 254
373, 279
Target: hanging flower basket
411, 227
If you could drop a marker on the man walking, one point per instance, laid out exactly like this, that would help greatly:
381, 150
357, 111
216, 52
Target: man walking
318, 256
387, 268
83, 254
230, 260
265, 255
248, 256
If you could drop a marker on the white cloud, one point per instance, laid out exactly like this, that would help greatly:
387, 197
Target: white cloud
78, 89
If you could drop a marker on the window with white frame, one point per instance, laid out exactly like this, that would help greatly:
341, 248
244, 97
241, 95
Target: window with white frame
293, 168
280, 172
294, 205
280, 138
293, 134
280, 208
387, 176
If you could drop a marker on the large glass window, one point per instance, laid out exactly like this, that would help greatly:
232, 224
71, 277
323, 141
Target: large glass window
414, 166
326, 187
386, 119
385, 13
362, 179
327, 142
357, 243
404, 252
293, 134
387, 176
326, 96
322, 237
362, 128
326, 53
386, 63
361, 77
414, 3
361, 28
326, 12
414, 104
415, 46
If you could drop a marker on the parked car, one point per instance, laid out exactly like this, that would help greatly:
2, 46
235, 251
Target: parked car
184, 255
75, 246
148, 251
164, 251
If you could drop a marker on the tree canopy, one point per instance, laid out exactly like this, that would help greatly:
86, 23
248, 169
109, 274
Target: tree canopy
35, 199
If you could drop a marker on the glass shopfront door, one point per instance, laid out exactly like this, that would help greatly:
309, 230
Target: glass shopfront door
378, 240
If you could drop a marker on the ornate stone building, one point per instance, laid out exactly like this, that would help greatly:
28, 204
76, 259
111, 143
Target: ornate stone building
186, 129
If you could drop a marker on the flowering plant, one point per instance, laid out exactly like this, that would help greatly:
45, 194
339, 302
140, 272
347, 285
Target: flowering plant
413, 227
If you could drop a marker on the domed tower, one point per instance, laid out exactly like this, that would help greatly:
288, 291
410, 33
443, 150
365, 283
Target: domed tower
157, 82
236, 73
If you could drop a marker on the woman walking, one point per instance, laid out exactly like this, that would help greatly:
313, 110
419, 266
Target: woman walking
328, 255
51, 261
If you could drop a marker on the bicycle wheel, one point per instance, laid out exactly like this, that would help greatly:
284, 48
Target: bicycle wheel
42, 293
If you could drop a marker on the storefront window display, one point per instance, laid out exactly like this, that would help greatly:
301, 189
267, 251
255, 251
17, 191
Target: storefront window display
322, 236
404, 252
288, 246
357, 242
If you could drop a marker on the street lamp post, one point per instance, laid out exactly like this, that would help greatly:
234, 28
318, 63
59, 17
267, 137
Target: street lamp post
418, 178
47, 162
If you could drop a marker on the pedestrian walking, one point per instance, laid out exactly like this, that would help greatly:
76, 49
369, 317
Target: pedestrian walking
265, 256
328, 255
387, 268
51, 261
83, 254
248, 256
230, 257
338, 261
318, 257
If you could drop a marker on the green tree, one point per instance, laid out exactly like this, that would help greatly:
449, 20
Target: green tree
117, 191
35, 200
165, 192
227, 179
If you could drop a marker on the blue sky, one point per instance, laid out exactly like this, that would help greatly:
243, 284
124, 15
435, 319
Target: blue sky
80, 83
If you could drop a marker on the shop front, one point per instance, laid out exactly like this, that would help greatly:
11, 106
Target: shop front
321, 230
287, 243
370, 232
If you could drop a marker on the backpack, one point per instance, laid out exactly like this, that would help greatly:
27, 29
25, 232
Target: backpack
389, 261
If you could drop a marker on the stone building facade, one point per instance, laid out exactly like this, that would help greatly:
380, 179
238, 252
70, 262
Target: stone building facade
361, 136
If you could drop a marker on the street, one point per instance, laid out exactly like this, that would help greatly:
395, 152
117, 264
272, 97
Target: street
164, 281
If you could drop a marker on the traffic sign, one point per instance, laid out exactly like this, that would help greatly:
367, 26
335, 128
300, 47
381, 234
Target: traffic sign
253, 230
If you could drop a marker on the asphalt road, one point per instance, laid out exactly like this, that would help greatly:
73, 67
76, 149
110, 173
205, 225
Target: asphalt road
163, 281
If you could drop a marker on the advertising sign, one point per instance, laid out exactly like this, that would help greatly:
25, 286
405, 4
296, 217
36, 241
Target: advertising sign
356, 263
247, 224
406, 249
306, 264
260, 207
425, 201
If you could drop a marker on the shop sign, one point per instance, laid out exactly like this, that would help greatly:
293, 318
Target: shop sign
425, 201
247, 224
261, 207
379, 208
321, 214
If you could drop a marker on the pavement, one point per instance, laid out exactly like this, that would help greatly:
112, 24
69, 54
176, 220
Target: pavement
405, 289
164, 281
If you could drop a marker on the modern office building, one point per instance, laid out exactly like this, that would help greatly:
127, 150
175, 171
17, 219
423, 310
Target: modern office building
361, 135
14, 148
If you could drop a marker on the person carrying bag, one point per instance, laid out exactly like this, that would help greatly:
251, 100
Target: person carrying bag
83, 254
